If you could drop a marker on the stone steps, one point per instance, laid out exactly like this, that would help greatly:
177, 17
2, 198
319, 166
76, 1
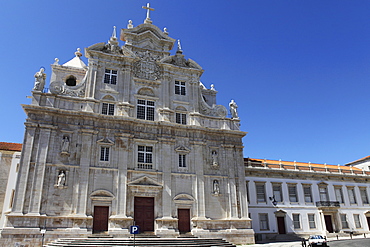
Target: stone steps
142, 242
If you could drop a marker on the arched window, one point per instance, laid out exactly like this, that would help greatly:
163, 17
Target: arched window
71, 81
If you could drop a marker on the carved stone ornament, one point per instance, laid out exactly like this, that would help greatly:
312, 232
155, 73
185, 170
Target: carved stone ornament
58, 87
147, 68
215, 110
112, 49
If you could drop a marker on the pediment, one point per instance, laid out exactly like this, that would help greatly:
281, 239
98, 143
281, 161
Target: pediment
145, 181
182, 149
184, 199
102, 195
322, 184
105, 141
147, 36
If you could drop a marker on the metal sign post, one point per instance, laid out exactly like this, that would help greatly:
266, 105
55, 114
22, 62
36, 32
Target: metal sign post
134, 230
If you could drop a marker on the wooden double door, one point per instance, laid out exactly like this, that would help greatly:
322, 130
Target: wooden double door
100, 219
144, 213
184, 220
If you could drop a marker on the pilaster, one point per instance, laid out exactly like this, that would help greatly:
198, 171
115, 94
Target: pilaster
39, 172
20, 192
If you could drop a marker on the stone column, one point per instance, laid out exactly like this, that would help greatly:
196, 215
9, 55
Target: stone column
199, 172
166, 161
20, 191
242, 193
39, 173
229, 150
86, 154
122, 174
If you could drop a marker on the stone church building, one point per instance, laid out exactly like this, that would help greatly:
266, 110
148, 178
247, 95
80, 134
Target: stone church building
131, 138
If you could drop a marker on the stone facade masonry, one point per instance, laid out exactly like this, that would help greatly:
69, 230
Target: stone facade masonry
136, 122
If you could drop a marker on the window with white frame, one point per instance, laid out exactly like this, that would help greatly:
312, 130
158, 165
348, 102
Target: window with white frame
311, 221
107, 109
145, 109
364, 197
296, 221
292, 191
339, 194
260, 192
182, 160
323, 191
145, 157
180, 88
110, 76
104, 153
276, 191
351, 195
343, 219
307, 193
264, 221
356, 217
180, 118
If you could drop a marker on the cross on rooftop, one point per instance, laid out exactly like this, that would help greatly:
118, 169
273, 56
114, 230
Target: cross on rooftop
148, 9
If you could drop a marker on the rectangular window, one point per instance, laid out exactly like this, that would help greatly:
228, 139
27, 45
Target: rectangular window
364, 197
339, 194
182, 160
296, 222
323, 194
357, 220
107, 109
104, 154
343, 219
110, 76
292, 189
180, 88
351, 195
180, 118
307, 193
276, 191
311, 221
261, 195
145, 109
264, 221
145, 154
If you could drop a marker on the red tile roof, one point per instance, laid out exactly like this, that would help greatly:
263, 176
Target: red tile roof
8, 146
292, 165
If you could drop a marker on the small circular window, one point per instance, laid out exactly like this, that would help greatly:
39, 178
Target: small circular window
71, 81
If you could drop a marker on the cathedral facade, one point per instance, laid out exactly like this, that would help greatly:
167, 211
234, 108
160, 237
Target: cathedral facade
131, 138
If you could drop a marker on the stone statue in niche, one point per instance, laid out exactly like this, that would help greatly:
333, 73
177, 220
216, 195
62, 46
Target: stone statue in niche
233, 109
40, 78
65, 144
214, 158
216, 187
61, 178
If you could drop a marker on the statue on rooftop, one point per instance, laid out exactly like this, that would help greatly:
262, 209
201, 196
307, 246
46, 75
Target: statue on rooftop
233, 109
40, 78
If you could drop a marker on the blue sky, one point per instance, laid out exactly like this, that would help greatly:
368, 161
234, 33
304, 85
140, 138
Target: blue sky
298, 70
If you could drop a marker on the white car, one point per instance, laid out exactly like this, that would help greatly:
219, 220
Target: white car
317, 240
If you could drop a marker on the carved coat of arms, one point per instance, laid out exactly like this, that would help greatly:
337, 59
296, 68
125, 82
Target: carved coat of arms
147, 68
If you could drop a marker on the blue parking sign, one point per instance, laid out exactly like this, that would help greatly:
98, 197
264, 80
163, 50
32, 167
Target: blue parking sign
134, 229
